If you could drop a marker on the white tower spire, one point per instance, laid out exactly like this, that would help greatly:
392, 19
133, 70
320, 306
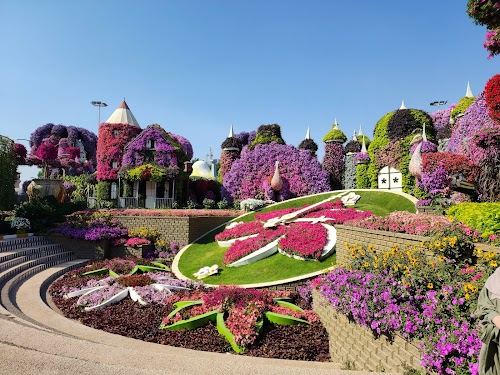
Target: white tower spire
231, 133
335, 124
424, 137
360, 131
363, 146
308, 134
469, 94
403, 105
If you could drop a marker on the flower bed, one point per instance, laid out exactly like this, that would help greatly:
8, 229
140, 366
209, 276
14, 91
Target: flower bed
239, 230
304, 240
241, 249
403, 292
297, 342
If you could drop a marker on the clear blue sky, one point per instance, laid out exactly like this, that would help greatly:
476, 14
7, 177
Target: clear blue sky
197, 66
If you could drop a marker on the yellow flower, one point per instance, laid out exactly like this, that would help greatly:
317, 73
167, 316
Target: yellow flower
467, 296
366, 264
375, 265
493, 263
430, 286
441, 258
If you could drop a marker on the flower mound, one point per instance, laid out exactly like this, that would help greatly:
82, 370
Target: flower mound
305, 240
147, 288
240, 249
239, 230
244, 311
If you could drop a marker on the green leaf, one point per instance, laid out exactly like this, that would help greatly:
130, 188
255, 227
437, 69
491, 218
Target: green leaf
161, 265
113, 273
224, 331
182, 305
150, 268
100, 271
284, 319
290, 305
276, 299
192, 323
134, 270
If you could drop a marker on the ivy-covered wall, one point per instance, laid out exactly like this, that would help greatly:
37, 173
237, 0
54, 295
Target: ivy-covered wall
8, 173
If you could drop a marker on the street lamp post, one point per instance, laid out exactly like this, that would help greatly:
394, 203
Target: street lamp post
438, 103
98, 104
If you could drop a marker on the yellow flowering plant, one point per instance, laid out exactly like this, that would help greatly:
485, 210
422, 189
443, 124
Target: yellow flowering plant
151, 234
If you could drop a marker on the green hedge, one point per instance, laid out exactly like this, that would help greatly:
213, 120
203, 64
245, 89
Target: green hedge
8, 173
483, 217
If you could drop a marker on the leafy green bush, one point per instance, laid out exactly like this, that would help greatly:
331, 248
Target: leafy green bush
209, 203
362, 177
42, 212
483, 217
8, 169
222, 204
103, 190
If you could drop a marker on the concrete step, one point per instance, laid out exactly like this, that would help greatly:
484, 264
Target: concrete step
11, 258
18, 243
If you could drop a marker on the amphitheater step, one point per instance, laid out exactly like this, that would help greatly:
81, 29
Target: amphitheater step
12, 258
18, 243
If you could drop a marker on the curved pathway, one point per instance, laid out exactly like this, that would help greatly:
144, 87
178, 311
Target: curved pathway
35, 339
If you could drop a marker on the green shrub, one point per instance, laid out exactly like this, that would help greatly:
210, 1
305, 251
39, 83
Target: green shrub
267, 134
42, 212
362, 177
191, 204
103, 190
222, 204
483, 217
209, 203
8, 173
127, 189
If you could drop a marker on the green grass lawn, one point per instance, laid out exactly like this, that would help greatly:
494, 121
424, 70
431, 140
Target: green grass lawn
206, 252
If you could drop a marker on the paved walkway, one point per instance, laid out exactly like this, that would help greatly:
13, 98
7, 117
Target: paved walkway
35, 339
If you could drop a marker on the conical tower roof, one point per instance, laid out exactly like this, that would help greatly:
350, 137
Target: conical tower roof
403, 105
122, 115
469, 94
308, 134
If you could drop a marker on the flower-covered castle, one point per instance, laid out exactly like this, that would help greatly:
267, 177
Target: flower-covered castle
139, 167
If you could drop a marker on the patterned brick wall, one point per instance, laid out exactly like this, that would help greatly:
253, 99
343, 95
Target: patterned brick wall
381, 240
96, 250
356, 344
180, 229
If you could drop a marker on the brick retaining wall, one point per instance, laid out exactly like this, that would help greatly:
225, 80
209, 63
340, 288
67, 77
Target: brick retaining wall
382, 240
352, 343
180, 229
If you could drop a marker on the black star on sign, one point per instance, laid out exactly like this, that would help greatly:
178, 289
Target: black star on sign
395, 179
384, 181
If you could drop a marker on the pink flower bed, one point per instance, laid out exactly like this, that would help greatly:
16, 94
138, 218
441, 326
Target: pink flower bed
137, 241
241, 249
240, 230
306, 240
277, 213
405, 222
340, 216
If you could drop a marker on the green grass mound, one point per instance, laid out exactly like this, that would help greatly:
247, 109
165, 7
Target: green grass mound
206, 251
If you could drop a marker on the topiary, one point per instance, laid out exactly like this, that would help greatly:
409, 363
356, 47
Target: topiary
231, 143
267, 134
362, 176
352, 146
461, 107
309, 145
248, 174
405, 121
335, 134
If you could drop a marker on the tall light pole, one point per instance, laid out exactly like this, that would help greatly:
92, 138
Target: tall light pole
438, 103
98, 104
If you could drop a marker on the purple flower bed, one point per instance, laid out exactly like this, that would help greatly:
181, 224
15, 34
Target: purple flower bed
248, 173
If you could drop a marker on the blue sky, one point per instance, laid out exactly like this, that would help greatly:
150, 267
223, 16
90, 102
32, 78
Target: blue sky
198, 66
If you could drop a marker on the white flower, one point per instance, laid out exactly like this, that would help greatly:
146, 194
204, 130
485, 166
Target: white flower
20, 223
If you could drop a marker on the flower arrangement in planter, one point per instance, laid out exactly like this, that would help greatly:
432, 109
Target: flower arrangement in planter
137, 242
92, 226
362, 158
404, 292
21, 224
238, 313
